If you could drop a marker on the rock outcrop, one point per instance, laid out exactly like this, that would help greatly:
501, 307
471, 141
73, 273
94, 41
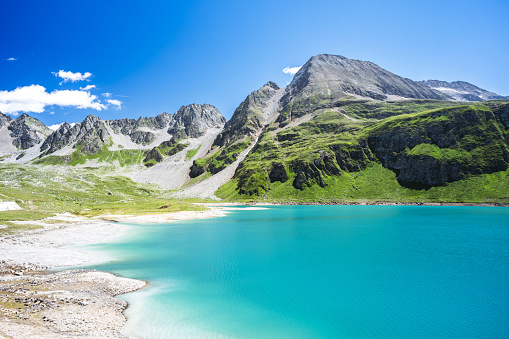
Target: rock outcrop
313, 172
193, 120
4, 120
442, 146
247, 120
133, 128
27, 131
90, 135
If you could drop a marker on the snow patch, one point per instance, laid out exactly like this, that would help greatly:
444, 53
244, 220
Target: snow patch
9, 206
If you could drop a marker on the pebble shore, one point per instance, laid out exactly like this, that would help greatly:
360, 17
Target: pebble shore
38, 302
35, 302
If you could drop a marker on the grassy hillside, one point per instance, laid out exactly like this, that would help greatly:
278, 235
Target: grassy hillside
45, 191
452, 154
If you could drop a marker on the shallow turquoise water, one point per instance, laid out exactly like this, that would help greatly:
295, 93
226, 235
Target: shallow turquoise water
322, 272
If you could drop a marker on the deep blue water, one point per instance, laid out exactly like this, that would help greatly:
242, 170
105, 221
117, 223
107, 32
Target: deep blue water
321, 272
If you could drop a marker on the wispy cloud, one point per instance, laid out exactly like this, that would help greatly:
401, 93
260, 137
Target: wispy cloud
35, 98
107, 95
11, 59
291, 70
87, 87
72, 77
115, 102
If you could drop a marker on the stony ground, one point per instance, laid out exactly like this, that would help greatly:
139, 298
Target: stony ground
63, 304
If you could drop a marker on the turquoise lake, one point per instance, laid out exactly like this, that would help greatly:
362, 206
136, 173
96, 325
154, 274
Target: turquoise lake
321, 272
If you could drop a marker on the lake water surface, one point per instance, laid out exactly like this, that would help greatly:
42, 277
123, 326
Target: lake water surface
321, 272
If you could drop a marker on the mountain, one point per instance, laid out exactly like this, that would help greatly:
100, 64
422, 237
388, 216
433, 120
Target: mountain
4, 120
139, 131
343, 130
249, 117
193, 120
326, 79
27, 131
89, 136
462, 91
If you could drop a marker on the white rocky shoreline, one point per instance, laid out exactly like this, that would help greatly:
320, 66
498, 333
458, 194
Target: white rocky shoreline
36, 302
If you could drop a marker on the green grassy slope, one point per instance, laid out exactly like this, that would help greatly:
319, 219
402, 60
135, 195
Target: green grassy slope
452, 154
45, 191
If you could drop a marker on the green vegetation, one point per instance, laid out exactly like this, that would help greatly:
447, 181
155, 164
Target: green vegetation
45, 191
441, 154
220, 159
124, 157
377, 184
345, 155
372, 109
190, 154
166, 148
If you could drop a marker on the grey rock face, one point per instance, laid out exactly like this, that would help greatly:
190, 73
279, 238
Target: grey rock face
278, 172
27, 131
247, 119
142, 137
462, 91
130, 127
58, 139
326, 79
153, 154
4, 119
91, 135
309, 173
193, 120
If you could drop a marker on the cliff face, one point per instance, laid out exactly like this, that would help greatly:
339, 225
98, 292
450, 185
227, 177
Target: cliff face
4, 120
27, 131
137, 129
248, 119
443, 146
193, 120
90, 135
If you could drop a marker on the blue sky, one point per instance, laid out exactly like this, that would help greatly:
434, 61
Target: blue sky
155, 56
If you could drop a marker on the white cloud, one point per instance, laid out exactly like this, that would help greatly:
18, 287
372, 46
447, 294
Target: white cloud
34, 99
70, 76
87, 87
54, 127
107, 95
115, 102
12, 59
291, 70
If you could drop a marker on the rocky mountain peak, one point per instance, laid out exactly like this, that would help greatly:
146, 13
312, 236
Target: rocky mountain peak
193, 120
27, 131
325, 79
89, 121
4, 119
462, 90
272, 85
338, 74
248, 118
90, 135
